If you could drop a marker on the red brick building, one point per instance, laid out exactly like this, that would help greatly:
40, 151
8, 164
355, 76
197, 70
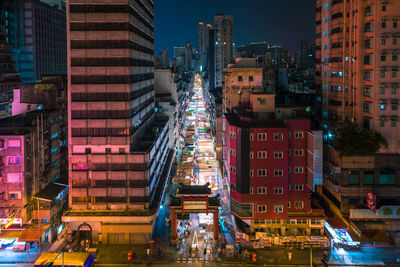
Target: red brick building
271, 167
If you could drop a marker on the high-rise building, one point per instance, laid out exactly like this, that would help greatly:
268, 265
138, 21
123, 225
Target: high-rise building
211, 58
36, 31
117, 146
164, 58
203, 44
188, 55
223, 30
252, 49
179, 56
357, 77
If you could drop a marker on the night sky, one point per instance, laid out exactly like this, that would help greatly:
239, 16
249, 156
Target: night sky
283, 22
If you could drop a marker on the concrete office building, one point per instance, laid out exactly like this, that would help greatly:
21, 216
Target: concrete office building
37, 35
117, 148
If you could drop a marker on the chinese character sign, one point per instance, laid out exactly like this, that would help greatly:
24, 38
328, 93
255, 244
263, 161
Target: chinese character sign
371, 201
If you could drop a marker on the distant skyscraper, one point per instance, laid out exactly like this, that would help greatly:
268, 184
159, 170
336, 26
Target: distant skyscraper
203, 43
223, 45
164, 57
37, 34
211, 58
117, 147
188, 55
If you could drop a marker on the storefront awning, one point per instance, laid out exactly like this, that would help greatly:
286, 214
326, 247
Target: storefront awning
32, 234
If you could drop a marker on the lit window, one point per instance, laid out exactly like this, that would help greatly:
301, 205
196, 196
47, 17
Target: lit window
326, 19
326, 5
278, 208
325, 33
54, 149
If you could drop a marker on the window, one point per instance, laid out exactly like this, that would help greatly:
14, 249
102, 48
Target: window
54, 149
251, 155
394, 73
240, 79
394, 58
251, 190
383, 41
251, 78
262, 208
251, 137
383, 58
251, 172
298, 204
232, 152
298, 152
387, 178
14, 161
393, 90
315, 221
288, 204
262, 172
261, 136
233, 169
261, 190
353, 178
298, 134
121, 150
383, 8
394, 41
278, 208
54, 164
278, 190
278, 154
383, 25
233, 134
393, 124
394, 24
298, 170
382, 123
368, 177
382, 90
301, 221
326, 5
54, 135
278, 136
278, 172
261, 154
298, 187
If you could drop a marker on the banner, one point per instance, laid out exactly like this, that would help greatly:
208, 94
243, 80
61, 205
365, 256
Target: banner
371, 201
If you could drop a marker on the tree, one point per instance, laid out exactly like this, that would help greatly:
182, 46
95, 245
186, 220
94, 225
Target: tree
351, 140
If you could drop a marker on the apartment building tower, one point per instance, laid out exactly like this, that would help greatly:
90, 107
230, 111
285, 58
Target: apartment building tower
223, 30
117, 147
357, 77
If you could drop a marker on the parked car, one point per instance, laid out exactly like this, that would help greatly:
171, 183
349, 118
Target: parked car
20, 246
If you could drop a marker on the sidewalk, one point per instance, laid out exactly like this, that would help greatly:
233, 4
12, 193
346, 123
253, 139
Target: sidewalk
118, 254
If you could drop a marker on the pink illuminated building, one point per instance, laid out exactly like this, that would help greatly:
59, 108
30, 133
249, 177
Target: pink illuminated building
118, 147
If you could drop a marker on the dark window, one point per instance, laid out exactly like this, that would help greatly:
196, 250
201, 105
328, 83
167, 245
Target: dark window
88, 150
240, 78
250, 78
108, 150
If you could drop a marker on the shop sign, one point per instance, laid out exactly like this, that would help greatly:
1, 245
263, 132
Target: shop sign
371, 201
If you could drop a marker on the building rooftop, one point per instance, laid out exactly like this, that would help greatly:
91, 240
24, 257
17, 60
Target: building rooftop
245, 63
234, 119
51, 191
194, 190
19, 124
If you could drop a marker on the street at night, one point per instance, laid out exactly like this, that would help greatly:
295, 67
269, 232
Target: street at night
212, 133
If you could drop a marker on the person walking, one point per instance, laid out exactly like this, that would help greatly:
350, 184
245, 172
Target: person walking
290, 256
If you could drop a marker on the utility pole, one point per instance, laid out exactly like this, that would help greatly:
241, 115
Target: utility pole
311, 265
38, 218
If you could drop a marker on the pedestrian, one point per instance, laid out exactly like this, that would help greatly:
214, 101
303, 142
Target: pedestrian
290, 256
159, 252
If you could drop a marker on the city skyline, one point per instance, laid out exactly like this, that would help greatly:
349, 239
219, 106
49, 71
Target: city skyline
173, 29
